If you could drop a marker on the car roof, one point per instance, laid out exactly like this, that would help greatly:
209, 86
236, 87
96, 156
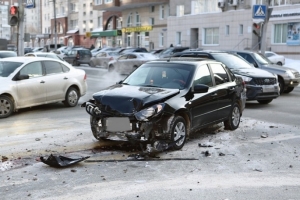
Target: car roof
186, 60
26, 59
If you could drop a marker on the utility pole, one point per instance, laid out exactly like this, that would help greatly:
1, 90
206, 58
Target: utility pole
264, 30
20, 33
55, 31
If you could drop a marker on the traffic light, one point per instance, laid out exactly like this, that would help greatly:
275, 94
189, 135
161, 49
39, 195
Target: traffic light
14, 15
256, 29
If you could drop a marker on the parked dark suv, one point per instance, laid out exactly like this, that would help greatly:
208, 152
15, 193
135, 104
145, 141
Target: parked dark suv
288, 78
170, 51
78, 56
162, 102
261, 85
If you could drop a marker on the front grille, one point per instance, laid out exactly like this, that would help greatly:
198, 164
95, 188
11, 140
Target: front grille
265, 81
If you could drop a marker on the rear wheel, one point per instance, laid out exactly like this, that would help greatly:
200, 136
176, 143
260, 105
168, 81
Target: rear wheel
234, 118
6, 106
281, 85
75, 63
72, 97
289, 89
178, 129
279, 63
264, 101
92, 64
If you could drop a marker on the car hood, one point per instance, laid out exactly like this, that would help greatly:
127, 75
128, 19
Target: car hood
252, 72
124, 99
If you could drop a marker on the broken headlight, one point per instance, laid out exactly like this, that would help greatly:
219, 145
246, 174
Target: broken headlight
144, 114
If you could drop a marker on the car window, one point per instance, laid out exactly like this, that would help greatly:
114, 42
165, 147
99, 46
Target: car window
6, 68
33, 69
247, 57
131, 56
65, 68
269, 54
261, 59
41, 55
203, 76
53, 67
219, 73
232, 61
29, 55
122, 57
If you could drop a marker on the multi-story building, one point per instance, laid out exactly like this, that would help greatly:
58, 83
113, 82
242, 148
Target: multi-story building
4, 25
229, 24
142, 23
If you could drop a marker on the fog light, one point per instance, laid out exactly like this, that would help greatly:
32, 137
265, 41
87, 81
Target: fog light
291, 83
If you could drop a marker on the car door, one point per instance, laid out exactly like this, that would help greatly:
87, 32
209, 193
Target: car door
32, 91
70, 56
120, 62
225, 89
56, 81
203, 106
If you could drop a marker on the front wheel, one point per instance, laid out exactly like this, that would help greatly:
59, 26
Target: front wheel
96, 127
72, 97
6, 106
289, 89
279, 63
111, 68
178, 130
265, 101
234, 118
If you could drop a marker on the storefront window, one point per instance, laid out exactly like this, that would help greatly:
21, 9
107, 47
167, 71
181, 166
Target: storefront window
161, 39
280, 33
211, 36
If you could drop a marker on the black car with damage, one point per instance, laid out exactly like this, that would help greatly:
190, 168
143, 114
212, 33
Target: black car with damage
162, 102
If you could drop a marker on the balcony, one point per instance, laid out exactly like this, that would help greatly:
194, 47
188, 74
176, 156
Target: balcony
119, 5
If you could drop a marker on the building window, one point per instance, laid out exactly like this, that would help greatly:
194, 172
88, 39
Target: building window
161, 39
227, 30
84, 13
280, 33
241, 29
204, 6
211, 36
178, 39
99, 20
74, 7
91, 12
84, 22
162, 12
108, 1
137, 19
119, 23
151, 21
180, 10
282, 2
98, 2
152, 9
196, 5
129, 20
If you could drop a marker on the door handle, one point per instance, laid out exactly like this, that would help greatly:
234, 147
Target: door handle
42, 82
214, 95
66, 78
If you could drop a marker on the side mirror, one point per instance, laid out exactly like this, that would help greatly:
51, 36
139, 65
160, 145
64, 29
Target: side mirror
23, 77
200, 88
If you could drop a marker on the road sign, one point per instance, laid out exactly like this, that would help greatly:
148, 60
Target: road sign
30, 3
259, 11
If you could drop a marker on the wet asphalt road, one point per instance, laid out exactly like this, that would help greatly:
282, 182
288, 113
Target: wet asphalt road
260, 160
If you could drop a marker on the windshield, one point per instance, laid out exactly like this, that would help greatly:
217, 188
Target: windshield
262, 59
166, 51
6, 68
162, 75
232, 61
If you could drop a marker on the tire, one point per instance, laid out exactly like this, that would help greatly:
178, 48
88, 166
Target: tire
178, 129
265, 101
289, 89
92, 64
281, 85
95, 128
279, 63
72, 97
234, 118
111, 68
6, 106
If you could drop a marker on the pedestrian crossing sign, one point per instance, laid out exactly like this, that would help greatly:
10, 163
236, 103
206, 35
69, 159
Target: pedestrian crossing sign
259, 11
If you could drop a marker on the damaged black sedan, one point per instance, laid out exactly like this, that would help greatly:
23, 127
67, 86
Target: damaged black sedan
162, 102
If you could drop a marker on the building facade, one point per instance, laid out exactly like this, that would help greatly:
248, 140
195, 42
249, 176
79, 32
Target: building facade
137, 23
225, 25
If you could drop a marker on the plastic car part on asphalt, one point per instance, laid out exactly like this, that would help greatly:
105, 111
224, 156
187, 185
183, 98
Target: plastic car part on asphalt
61, 161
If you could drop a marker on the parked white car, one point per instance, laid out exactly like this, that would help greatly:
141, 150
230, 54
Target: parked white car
275, 58
32, 81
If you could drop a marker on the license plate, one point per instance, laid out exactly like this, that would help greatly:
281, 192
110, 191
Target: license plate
118, 124
268, 88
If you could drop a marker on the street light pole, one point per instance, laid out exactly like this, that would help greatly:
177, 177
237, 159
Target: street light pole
55, 31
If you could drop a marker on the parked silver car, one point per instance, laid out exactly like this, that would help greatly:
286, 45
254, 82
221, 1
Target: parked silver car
129, 62
32, 81
288, 78
102, 59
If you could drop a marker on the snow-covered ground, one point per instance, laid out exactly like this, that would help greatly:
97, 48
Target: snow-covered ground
295, 64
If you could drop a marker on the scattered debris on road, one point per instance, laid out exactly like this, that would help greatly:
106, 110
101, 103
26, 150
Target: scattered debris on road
61, 161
